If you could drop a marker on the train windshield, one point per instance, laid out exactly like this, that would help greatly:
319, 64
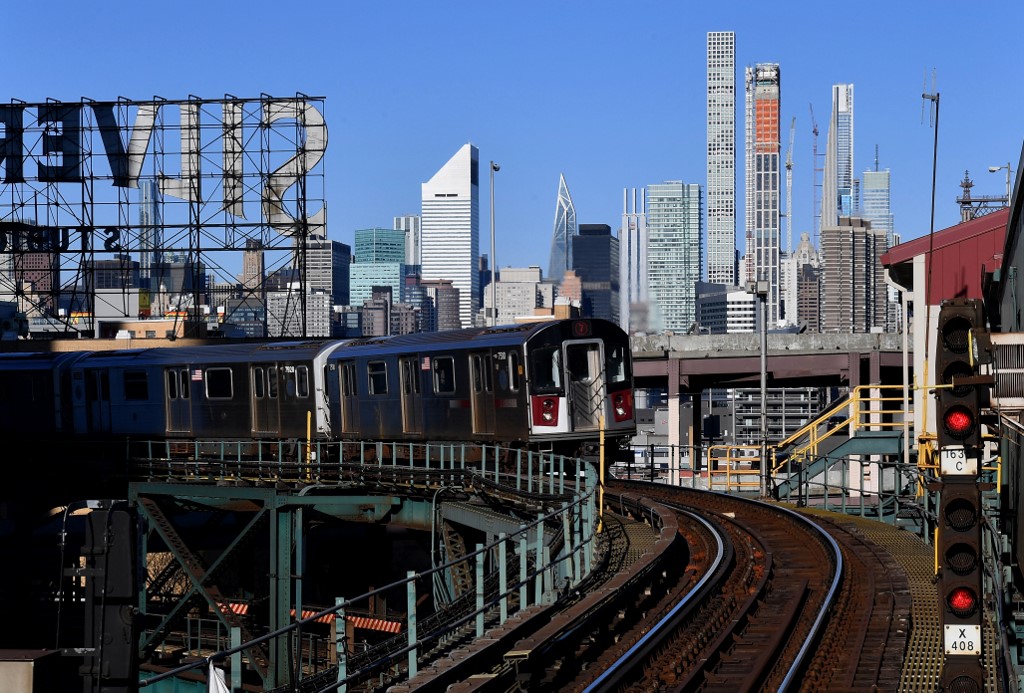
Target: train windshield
547, 369
616, 364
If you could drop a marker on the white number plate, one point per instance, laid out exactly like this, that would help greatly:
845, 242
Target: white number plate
954, 460
963, 640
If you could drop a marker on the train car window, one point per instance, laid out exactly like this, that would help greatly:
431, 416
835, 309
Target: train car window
289, 382
136, 386
478, 384
302, 381
377, 371
172, 385
348, 379
615, 364
105, 386
259, 385
272, 382
219, 383
488, 371
515, 369
444, 375
547, 368
186, 388
579, 364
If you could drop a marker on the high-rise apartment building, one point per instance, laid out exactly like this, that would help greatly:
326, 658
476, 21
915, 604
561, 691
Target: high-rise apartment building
853, 289
410, 224
674, 244
450, 225
595, 253
721, 186
561, 236
763, 175
838, 191
253, 269
633, 261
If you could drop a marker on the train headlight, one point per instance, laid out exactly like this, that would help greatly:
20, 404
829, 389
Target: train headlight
548, 409
622, 406
545, 410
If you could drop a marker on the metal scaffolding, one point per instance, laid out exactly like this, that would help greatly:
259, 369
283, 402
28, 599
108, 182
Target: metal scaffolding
132, 208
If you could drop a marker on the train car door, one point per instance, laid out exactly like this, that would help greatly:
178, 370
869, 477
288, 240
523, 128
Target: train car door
349, 397
408, 367
178, 400
266, 414
482, 395
97, 400
586, 386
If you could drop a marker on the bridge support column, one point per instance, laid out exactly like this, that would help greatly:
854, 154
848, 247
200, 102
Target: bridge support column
696, 432
674, 420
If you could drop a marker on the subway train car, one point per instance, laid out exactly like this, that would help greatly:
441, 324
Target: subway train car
545, 385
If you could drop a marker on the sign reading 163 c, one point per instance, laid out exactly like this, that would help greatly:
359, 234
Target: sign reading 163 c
957, 460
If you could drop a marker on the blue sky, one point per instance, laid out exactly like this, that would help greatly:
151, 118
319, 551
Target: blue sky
610, 94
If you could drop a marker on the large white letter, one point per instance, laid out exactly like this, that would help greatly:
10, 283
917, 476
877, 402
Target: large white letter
187, 186
289, 173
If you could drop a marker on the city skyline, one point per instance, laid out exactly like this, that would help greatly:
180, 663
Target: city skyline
466, 76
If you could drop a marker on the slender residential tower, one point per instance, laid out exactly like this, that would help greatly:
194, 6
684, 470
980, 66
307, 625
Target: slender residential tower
674, 240
721, 188
838, 193
450, 228
561, 235
763, 173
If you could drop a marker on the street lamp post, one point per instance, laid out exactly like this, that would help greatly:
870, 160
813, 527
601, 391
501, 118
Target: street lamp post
1009, 171
760, 289
493, 314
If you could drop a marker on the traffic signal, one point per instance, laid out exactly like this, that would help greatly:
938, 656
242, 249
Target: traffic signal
959, 397
956, 371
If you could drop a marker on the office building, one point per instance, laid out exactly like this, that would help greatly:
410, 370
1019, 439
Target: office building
721, 161
633, 262
440, 310
518, 292
595, 252
876, 204
674, 245
380, 245
285, 314
561, 236
450, 226
763, 175
327, 268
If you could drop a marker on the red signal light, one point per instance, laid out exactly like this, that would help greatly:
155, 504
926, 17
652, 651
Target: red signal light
962, 601
958, 422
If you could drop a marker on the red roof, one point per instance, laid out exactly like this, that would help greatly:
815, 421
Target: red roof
961, 253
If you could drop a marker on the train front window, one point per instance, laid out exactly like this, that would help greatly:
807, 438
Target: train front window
547, 368
615, 364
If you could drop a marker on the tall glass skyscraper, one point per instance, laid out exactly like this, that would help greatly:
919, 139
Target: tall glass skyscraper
561, 235
763, 100
450, 226
410, 224
838, 194
674, 244
632, 260
721, 189
876, 206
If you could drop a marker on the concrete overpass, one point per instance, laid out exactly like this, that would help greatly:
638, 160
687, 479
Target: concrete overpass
689, 364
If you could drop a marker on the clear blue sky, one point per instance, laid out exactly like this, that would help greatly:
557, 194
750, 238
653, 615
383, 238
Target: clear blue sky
610, 94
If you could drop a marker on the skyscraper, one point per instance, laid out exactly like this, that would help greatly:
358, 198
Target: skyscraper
253, 270
721, 188
876, 206
838, 194
410, 224
327, 268
561, 235
150, 236
595, 253
450, 225
380, 261
674, 241
632, 260
763, 100
853, 290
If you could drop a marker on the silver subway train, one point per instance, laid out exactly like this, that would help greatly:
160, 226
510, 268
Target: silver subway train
545, 385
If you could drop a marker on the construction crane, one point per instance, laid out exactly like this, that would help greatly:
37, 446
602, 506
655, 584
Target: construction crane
789, 189
815, 199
